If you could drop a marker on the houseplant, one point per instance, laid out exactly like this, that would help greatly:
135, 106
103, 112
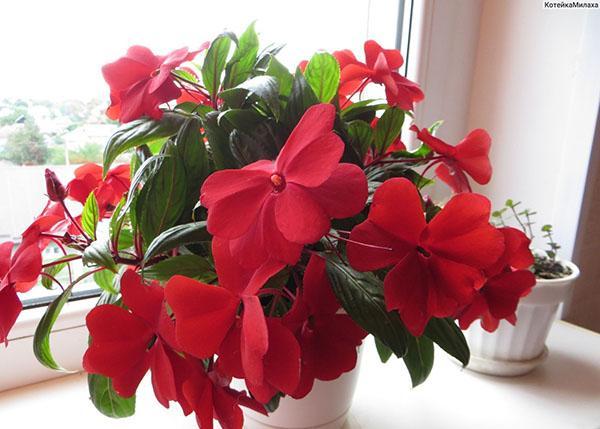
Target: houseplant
518, 344
265, 224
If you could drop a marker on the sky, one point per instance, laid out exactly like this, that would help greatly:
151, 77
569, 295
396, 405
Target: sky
55, 49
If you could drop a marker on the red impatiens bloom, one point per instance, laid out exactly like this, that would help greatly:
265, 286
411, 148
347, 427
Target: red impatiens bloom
509, 280
141, 81
328, 340
18, 273
381, 67
270, 209
211, 312
470, 156
125, 343
436, 265
108, 191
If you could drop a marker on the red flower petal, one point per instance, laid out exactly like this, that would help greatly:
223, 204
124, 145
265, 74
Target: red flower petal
317, 289
503, 292
381, 248
397, 209
436, 144
163, 376
472, 155
282, 361
453, 177
299, 217
6, 249
461, 232
226, 408
344, 193
10, 308
25, 267
143, 301
255, 340
201, 311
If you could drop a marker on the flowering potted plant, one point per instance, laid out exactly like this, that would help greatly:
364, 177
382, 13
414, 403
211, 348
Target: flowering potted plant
267, 222
517, 346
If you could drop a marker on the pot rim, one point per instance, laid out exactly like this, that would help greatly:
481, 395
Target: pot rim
550, 282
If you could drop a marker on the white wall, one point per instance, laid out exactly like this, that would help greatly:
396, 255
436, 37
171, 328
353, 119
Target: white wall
536, 89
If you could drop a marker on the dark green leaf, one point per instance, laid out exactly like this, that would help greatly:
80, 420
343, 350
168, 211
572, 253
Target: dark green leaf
41, 338
384, 351
162, 199
218, 140
264, 88
98, 253
105, 280
90, 216
419, 359
361, 295
192, 266
179, 235
214, 64
192, 153
449, 337
323, 75
241, 65
388, 128
139, 132
106, 400
282, 74
361, 136
242, 119
273, 404
301, 98
362, 110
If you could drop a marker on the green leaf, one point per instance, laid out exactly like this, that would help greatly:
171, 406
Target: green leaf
162, 199
139, 132
385, 353
90, 215
192, 266
241, 65
194, 157
362, 110
242, 119
264, 88
419, 359
98, 253
214, 64
282, 74
218, 140
323, 75
449, 337
388, 128
52, 270
361, 295
361, 136
106, 400
41, 338
180, 235
105, 280
301, 98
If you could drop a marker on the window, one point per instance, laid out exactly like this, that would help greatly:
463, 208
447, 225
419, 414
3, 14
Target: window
53, 100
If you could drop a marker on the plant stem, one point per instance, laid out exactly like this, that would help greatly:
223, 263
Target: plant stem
79, 228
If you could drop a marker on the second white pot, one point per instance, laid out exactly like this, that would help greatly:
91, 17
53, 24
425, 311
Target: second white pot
516, 350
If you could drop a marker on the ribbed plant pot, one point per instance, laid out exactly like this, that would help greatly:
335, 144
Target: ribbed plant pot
325, 407
517, 350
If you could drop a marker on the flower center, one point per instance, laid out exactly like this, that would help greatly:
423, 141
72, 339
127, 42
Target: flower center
278, 182
423, 252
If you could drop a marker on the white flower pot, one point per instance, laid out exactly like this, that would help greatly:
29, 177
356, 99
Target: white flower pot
516, 350
325, 407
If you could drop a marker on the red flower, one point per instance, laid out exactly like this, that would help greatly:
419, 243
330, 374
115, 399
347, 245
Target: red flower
210, 397
126, 343
381, 67
270, 209
328, 340
436, 266
108, 191
210, 312
509, 280
18, 273
141, 81
469, 156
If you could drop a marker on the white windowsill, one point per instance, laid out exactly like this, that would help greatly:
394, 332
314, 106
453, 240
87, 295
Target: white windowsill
563, 393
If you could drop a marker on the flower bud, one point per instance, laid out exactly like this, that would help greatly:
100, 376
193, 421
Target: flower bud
56, 191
